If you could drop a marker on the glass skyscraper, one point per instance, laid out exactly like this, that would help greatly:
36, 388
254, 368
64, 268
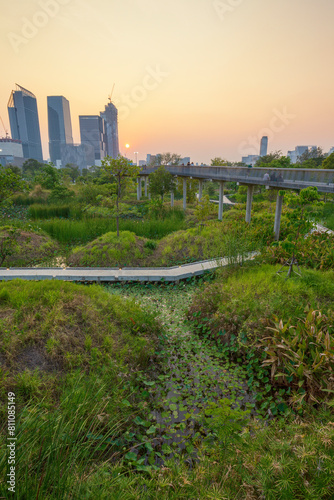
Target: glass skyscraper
24, 122
110, 115
60, 126
93, 132
264, 146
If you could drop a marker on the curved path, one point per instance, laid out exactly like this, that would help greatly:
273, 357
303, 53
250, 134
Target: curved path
99, 274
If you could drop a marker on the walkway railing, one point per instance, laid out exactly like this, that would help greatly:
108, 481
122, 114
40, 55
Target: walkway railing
288, 178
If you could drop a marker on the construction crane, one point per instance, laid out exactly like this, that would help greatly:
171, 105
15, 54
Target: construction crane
6, 131
111, 93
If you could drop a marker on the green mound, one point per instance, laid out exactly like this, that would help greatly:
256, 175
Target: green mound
50, 329
282, 330
247, 300
27, 248
111, 251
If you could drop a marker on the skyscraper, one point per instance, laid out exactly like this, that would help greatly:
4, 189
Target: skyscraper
60, 126
264, 146
24, 122
110, 114
93, 132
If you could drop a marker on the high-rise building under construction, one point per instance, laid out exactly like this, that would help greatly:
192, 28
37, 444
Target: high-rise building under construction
110, 116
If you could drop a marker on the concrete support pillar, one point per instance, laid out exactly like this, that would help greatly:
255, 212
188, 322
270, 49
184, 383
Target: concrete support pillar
146, 184
250, 190
278, 213
172, 198
138, 188
200, 189
184, 193
221, 200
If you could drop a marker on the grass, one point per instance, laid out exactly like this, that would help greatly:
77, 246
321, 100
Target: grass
69, 354
110, 250
42, 211
84, 231
111, 422
30, 249
275, 327
247, 300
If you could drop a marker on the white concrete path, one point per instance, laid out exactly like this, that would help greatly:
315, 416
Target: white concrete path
175, 273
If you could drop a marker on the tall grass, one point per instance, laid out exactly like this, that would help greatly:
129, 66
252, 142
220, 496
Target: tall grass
57, 449
38, 211
26, 200
83, 231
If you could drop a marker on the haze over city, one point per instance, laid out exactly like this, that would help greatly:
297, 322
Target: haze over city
195, 77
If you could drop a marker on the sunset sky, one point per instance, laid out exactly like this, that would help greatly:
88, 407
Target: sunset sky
201, 78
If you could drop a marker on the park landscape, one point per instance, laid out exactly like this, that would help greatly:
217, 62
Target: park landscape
217, 386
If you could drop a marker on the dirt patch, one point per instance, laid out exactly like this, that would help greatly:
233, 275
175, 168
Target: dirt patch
32, 358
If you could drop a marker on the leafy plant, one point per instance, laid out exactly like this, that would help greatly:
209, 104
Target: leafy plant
303, 355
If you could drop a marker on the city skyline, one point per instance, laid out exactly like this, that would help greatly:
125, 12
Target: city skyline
196, 78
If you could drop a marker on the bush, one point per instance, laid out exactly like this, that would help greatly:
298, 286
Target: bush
316, 251
302, 356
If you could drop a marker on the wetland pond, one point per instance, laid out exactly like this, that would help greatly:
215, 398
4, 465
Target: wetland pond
192, 375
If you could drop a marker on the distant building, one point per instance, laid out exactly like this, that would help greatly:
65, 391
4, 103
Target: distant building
298, 151
81, 155
24, 122
60, 126
11, 152
331, 151
264, 146
142, 163
93, 133
110, 116
250, 159
150, 159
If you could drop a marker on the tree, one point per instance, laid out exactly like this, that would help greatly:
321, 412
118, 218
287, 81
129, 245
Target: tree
72, 171
169, 159
61, 193
161, 182
203, 209
283, 162
299, 220
219, 162
10, 183
122, 170
48, 177
328, 162
266, 160
312, 158
15, 169
164, 159
31, 167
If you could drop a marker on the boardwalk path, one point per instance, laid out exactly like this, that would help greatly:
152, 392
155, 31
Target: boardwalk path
100, 274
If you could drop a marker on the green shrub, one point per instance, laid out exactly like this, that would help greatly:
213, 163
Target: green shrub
303, 355
316, 251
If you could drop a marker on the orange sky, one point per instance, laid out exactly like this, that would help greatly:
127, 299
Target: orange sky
201, 78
